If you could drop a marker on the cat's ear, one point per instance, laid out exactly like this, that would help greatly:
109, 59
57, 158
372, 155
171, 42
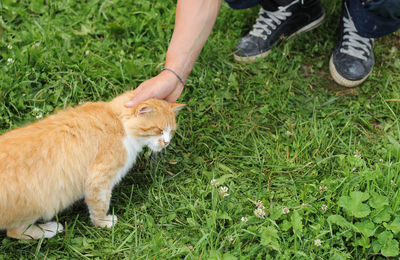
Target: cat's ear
177, 107
143, 109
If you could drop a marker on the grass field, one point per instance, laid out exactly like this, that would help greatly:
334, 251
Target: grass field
279, 134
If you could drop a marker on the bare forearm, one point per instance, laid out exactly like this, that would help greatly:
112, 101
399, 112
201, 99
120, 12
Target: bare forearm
193, 24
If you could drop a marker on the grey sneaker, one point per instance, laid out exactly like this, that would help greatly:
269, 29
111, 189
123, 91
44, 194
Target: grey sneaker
273, 26
352, 59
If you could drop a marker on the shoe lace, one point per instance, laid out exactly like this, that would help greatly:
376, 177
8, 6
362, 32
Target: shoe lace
270, 20
353, 43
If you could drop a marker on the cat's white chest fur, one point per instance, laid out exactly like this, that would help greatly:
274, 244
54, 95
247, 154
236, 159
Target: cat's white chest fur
133, 148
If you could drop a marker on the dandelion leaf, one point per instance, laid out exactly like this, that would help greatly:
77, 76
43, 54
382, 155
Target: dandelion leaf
297, 223
269, 237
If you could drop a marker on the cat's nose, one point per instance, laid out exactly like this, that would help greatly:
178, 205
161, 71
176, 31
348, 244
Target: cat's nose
166, 142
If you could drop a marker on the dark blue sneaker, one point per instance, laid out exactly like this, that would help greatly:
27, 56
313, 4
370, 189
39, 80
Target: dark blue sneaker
273, 26
352, 59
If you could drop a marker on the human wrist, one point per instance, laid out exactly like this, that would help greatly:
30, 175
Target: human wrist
181, 80
168, 76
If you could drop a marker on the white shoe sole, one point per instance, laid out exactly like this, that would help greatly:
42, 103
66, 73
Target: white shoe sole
308, 27
342, 81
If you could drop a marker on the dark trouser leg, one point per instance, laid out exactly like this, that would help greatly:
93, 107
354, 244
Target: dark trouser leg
241, 4
272, 5
375, 19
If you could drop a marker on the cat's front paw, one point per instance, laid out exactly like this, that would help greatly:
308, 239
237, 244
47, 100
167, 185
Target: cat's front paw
106, 222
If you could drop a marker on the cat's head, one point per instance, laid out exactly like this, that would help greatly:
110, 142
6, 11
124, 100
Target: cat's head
152, 122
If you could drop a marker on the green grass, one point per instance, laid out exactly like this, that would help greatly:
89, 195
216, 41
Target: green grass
280, 131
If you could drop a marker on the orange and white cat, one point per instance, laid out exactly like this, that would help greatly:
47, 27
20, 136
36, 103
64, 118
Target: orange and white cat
82, 152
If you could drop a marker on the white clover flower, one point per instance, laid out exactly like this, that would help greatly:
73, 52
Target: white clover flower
10, 60
285, 210
244, 219
357, 154
322, 188
260, 205
288, 133
324, 207
87, 52
35, 110
304, 205
259, 213
381, 160
214, 183
9, 46
223, 191
317, 242
39, 116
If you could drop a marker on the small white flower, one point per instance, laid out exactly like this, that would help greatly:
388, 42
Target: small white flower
357, 154
260, 205
317, 242
87, 52
393, 183
223, 191
39, 116
259, 213
244, 219
304, 205
322, 188
10, 60
324, 207
35, 110
288, 133
285, 210
381, 160
214, 183
9, 46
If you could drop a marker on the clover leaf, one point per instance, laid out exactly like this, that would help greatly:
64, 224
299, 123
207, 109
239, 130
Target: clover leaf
381, 215
394, 226
366, 227
388, 246
354, 205
378, 201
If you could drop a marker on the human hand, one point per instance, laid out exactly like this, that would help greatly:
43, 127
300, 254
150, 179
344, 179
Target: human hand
163, 86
